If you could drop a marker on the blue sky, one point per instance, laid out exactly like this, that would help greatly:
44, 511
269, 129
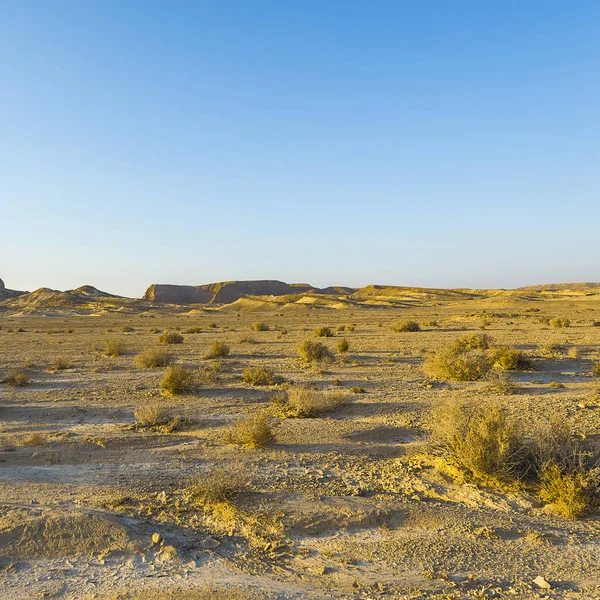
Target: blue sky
335, 142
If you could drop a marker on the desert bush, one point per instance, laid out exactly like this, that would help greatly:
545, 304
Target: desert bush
178, 380
259, 376
343, 345
170, 337
481, 440
127, 329
217, 350
152, 358
114, 347
574, 352
552, 350
152, 415
60, 364
260, 326
16, 378
304, 403
595, 323
455, 363
219, 484
596, 370
314, 352
250, 432
194, 330
572, 494
475, 341
341, 328
209, 374
500, 383
357, 389
34, 439
323, 332
247, 339
560, 322
403, 326
510, 359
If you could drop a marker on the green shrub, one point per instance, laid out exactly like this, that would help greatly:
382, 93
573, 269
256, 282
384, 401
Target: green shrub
178, 380
343, 345
403, 326
217, 350
114, 347
323, 332
16, 378
560, 322
152, 358
250, 432
312, 352
259, 376
170, 337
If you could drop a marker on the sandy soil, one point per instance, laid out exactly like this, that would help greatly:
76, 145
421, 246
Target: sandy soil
359, 511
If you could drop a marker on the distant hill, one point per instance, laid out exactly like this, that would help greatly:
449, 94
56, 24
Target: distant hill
227, 292
6, 293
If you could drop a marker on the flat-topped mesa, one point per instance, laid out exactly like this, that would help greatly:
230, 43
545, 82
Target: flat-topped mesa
227, 292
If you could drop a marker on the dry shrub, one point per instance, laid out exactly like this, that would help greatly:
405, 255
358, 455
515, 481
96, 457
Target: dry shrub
482, 441
178, 380
304, 403
343, 345
552, 350
323, 332
403, 326
259, 376
156, 416
501, 383
510, 359
456, 364
217, 350
596, 370
314, 352
574, 352
33, 439
560, 322
209, 374
260, 326
152, 358
170, 337
250, 432
114, 347
219, 484
60, 364
16, 378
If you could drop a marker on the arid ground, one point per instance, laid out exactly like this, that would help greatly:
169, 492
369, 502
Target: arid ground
350, 502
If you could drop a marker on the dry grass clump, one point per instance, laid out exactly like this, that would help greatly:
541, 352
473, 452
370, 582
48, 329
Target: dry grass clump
260, 326
152, 358
155, 416
170, 337
219, 484
178, 380
403, 326
305, 403
510, 359
560, 322
16, 378
217, 350
552, 350
259, 376
60, 364
343, 345
457, 362
210, 374
596, 370
251, 432
323, 332
114, 347
33, 439
500, 383
314, 352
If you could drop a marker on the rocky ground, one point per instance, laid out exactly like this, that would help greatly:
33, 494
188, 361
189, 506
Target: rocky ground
348, 504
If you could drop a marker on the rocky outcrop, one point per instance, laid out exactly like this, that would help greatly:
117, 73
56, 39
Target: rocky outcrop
227, 292
6, 293
45, 298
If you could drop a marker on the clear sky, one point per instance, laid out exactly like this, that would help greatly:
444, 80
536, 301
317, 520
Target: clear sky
438, 143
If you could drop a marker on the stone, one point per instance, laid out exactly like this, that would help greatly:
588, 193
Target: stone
542, 583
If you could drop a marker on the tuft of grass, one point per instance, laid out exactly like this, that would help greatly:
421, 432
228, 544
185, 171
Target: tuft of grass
60, 364
34, 439
250, 432
343, 345
259, 376
178, 380
16, 378
209, 374
560, 323
305, 403
154, 415
596, 370
219, 484
114, 347
260, 326
152, 358
403, 326
170, 337
217, 350
314, 352
500, 383
323, 332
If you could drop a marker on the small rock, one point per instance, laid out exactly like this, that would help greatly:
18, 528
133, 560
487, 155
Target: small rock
162, 497
156, 538
542, 583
